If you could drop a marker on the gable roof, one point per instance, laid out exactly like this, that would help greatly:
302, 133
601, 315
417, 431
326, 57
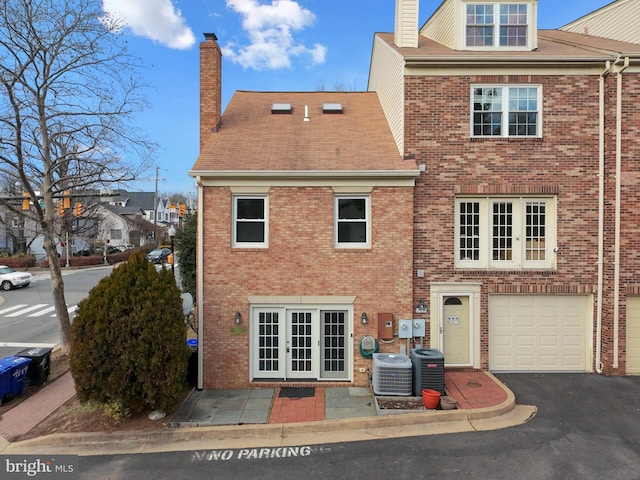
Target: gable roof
619, 20
553, 46
253, 139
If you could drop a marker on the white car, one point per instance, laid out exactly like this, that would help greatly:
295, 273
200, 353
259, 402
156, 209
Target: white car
10, 278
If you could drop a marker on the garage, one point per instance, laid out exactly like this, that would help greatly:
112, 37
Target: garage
540, 333
633, 335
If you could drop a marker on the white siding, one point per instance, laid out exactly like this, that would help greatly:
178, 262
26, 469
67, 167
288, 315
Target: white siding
617, 21
406, 31
386, 77
441, 27
539, 333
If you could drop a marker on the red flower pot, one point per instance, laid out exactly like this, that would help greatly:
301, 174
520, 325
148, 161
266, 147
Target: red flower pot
431, 399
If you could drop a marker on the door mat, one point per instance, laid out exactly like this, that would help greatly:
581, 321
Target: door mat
296, 392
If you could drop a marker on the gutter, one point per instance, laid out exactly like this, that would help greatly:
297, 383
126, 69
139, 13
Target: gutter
200, 281
616, 286
305, 173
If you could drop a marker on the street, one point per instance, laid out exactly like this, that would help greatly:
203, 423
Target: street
27, 315
587, 427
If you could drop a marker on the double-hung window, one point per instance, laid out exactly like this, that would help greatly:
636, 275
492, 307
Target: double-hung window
250, 221
352, 221
508, 233
506, 111
496, 25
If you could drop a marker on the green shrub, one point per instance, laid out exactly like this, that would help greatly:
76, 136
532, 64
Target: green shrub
128, 340
116, 411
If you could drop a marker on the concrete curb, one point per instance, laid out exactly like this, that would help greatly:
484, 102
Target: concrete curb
305, 433
501, 409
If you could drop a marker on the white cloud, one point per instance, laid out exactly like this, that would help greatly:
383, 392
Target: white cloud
270, 30
157, 20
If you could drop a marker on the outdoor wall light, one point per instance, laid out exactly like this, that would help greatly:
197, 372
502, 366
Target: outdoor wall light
365, 320
238, 318
421, 308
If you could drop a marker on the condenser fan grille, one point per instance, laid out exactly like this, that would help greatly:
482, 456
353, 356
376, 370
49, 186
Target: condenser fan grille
392, 374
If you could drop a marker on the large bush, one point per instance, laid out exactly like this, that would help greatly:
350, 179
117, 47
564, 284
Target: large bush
128, 340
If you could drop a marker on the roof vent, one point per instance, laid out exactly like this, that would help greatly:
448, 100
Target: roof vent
281, 108
332, 108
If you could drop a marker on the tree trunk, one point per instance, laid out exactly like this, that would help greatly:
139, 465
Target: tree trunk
60, 303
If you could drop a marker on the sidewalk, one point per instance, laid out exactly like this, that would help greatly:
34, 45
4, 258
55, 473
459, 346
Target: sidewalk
262, 417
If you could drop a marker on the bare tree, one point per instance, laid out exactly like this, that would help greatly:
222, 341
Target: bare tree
69, 90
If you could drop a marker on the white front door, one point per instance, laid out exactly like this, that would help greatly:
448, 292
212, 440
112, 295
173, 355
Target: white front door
456, 330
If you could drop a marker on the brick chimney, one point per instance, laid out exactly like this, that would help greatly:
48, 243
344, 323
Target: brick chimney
406, 29
210, 87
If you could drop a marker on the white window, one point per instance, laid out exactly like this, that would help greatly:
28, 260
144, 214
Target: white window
301, 342
506, 111
352, 221
250, 221
497, 25
510, 233
115, 234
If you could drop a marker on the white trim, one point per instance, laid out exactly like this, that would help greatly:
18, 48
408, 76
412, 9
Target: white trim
471, 290
504, 111
265, 304
234, 221
530, 27
518, 260
366, 221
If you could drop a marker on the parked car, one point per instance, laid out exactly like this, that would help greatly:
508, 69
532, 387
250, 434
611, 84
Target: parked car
111, 249
159, 255
10, 278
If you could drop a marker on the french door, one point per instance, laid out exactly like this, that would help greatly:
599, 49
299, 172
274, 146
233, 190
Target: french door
300, 344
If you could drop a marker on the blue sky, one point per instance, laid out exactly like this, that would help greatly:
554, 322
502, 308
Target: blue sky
282, 45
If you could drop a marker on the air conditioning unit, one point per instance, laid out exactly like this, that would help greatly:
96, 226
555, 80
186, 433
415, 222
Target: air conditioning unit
391, 374
428, 370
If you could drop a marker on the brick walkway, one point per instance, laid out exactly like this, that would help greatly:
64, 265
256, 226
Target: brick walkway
304, 409
30, 412
474, 389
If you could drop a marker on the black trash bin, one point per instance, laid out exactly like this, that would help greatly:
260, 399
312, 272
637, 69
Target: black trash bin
40, 365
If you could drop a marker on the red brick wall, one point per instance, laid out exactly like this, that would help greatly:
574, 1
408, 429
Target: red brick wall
301, 260
563, 161
630, 200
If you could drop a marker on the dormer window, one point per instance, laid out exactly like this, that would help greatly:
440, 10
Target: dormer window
497, 25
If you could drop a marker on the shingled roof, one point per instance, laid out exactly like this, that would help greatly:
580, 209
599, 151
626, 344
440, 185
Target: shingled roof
252, 138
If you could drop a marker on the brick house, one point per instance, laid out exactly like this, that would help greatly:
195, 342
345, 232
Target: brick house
526, 208
305, 233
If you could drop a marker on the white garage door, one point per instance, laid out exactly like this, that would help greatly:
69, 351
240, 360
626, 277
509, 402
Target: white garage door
538, 333
633, 335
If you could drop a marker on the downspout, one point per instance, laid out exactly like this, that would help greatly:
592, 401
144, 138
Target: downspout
601, 152
200, 280
616, 285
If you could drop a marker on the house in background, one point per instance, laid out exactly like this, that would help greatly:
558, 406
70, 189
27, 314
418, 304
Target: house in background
136, 202
525, 224
304, 233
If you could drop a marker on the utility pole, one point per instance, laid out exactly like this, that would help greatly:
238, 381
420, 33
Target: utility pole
155, 203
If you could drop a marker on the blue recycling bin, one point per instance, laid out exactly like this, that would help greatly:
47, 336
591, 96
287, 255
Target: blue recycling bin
18, 367
5, 382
